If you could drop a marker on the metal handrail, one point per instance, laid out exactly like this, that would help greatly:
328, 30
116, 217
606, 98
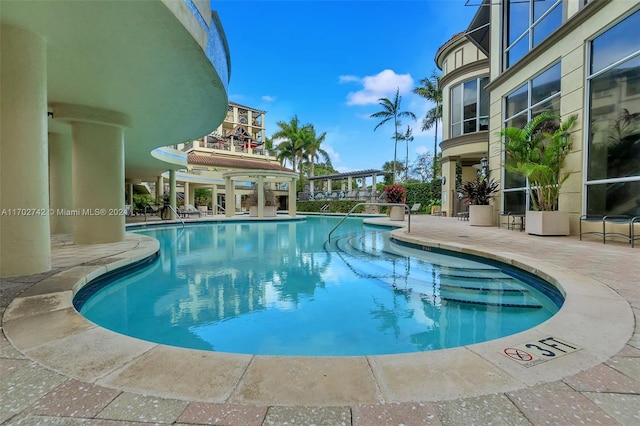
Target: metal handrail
406, 207
221, 208
175, 212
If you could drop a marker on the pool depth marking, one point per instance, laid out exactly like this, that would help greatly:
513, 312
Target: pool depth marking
534, 353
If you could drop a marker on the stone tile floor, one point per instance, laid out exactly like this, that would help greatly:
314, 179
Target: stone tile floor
606, 394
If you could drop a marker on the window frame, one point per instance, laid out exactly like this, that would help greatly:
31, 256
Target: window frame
589, 77
478, 117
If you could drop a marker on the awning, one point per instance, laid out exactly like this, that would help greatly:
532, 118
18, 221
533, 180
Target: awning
479, 30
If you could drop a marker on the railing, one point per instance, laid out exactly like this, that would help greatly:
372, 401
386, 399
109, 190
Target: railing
175, 212
406, 208
219, 207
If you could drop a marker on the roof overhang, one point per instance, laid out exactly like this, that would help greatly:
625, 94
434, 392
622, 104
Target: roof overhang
479, 31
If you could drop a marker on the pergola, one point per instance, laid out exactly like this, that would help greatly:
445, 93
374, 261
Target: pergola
348, 176
261, 177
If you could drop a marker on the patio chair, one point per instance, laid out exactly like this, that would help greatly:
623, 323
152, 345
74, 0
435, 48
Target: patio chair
188, 210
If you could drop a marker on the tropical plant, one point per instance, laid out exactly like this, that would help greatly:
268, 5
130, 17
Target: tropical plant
392, 169
311, 148
538, 152
391, 110
291, 147
406, 137
480, 191
395, 193
430, 90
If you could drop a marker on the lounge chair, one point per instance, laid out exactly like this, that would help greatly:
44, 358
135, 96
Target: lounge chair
188, 210
415, 207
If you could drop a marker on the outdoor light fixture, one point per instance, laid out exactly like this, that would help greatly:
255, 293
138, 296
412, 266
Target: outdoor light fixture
484, 167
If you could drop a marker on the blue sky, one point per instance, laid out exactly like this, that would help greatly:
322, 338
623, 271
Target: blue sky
330, 61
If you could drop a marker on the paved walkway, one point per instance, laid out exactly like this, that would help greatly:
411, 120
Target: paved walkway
57, 368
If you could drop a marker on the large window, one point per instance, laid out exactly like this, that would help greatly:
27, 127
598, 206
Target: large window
527, 23
469, 107
613, 158
541, 93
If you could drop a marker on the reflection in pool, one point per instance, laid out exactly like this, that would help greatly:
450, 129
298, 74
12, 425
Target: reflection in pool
277, 288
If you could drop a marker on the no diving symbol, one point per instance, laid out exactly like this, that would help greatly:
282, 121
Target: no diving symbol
518, 354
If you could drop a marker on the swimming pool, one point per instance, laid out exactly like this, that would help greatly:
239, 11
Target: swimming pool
278, 288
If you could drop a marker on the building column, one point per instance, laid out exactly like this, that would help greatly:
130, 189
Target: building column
229, 198
449, 186
98, 172
311, 186
350, 184
60, 184
159, 189
260, 196
187, 194
25, 245
172, 192
292, 198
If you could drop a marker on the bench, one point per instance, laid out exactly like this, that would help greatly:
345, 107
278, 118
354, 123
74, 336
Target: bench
620, 226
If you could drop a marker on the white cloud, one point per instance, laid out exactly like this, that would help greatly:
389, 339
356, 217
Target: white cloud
421, 150
268, 98
348, 78
333, 155
382, 85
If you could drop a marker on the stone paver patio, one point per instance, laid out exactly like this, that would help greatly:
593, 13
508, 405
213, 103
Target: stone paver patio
57, 368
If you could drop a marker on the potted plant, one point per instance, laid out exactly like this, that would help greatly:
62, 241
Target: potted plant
269, 206
395, 194
538, 152
479, 193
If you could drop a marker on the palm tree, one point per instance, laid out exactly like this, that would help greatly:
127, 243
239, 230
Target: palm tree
313, 151
391, 110
291, 147
430, 90
407, 137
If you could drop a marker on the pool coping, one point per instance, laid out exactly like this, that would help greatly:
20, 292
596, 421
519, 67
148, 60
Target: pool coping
43, 325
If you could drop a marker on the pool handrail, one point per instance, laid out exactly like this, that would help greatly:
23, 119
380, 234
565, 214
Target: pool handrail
176, 213
406, 208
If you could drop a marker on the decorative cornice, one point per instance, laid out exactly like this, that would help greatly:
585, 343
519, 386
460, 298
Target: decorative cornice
481, 65
466, 139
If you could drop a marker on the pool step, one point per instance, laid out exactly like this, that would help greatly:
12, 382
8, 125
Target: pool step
469, 284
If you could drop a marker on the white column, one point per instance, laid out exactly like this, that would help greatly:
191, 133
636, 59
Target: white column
292, 198
159, 189
329, 189
229, 198
260, 196
311, 186
60, 183
349, 183
172, 192
25, 245
187, 194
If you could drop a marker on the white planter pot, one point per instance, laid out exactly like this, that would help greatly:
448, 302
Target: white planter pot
203, 209
396, 213
269, 211
480, 215
547, 223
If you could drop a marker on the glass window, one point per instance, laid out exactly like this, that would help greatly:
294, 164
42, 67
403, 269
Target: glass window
615, 44
469, 107
541, 93
456, 111
613, 145
528, 22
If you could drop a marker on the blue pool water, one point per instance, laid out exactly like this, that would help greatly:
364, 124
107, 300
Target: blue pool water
278, 288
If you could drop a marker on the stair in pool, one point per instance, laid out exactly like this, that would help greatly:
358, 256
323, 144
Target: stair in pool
470, 284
